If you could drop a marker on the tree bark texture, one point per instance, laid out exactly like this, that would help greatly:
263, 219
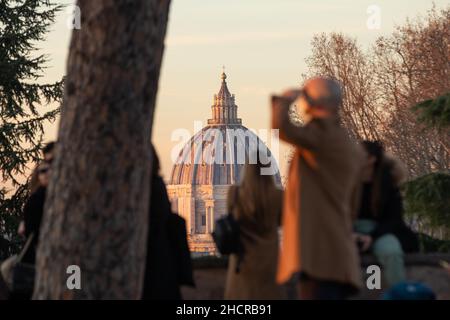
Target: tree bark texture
97, 203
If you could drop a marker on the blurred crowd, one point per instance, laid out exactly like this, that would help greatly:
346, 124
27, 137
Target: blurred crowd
341, 200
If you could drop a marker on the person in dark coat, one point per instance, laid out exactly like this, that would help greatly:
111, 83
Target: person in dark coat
380, 226
34, 210
34, 207
168, 263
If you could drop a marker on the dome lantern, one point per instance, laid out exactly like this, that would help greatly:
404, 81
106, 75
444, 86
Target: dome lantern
224, 109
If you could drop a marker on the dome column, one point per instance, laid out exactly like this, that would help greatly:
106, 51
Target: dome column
209, 213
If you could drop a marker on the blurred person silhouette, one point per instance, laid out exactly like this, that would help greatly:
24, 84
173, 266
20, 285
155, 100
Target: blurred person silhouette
48, 151
35, 183
380, 227
256, 206
320, 200
168, 262
34, 209
18, 270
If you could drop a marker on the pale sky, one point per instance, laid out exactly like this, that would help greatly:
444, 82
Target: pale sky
262, 43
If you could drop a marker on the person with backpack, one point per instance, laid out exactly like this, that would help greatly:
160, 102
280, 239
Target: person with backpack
255, 204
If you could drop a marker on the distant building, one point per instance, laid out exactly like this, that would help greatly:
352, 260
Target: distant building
208, 165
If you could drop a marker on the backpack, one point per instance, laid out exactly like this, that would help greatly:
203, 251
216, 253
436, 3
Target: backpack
226, 235
409, 291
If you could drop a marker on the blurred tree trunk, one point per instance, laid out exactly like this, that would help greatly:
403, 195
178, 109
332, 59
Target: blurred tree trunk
97, 202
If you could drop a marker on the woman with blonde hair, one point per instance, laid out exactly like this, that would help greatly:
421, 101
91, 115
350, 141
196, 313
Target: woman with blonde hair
256, 205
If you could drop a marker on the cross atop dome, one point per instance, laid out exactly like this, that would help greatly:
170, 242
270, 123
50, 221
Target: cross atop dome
223, 76
224, 109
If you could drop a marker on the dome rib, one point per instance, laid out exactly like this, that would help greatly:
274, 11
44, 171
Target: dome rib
226, 157
199, 150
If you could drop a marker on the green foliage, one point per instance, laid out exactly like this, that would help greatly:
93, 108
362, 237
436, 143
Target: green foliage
427, 199
429, 244
24, 102
435, 112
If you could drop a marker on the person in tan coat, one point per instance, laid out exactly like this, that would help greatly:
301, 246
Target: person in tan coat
321, 195
256, 205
